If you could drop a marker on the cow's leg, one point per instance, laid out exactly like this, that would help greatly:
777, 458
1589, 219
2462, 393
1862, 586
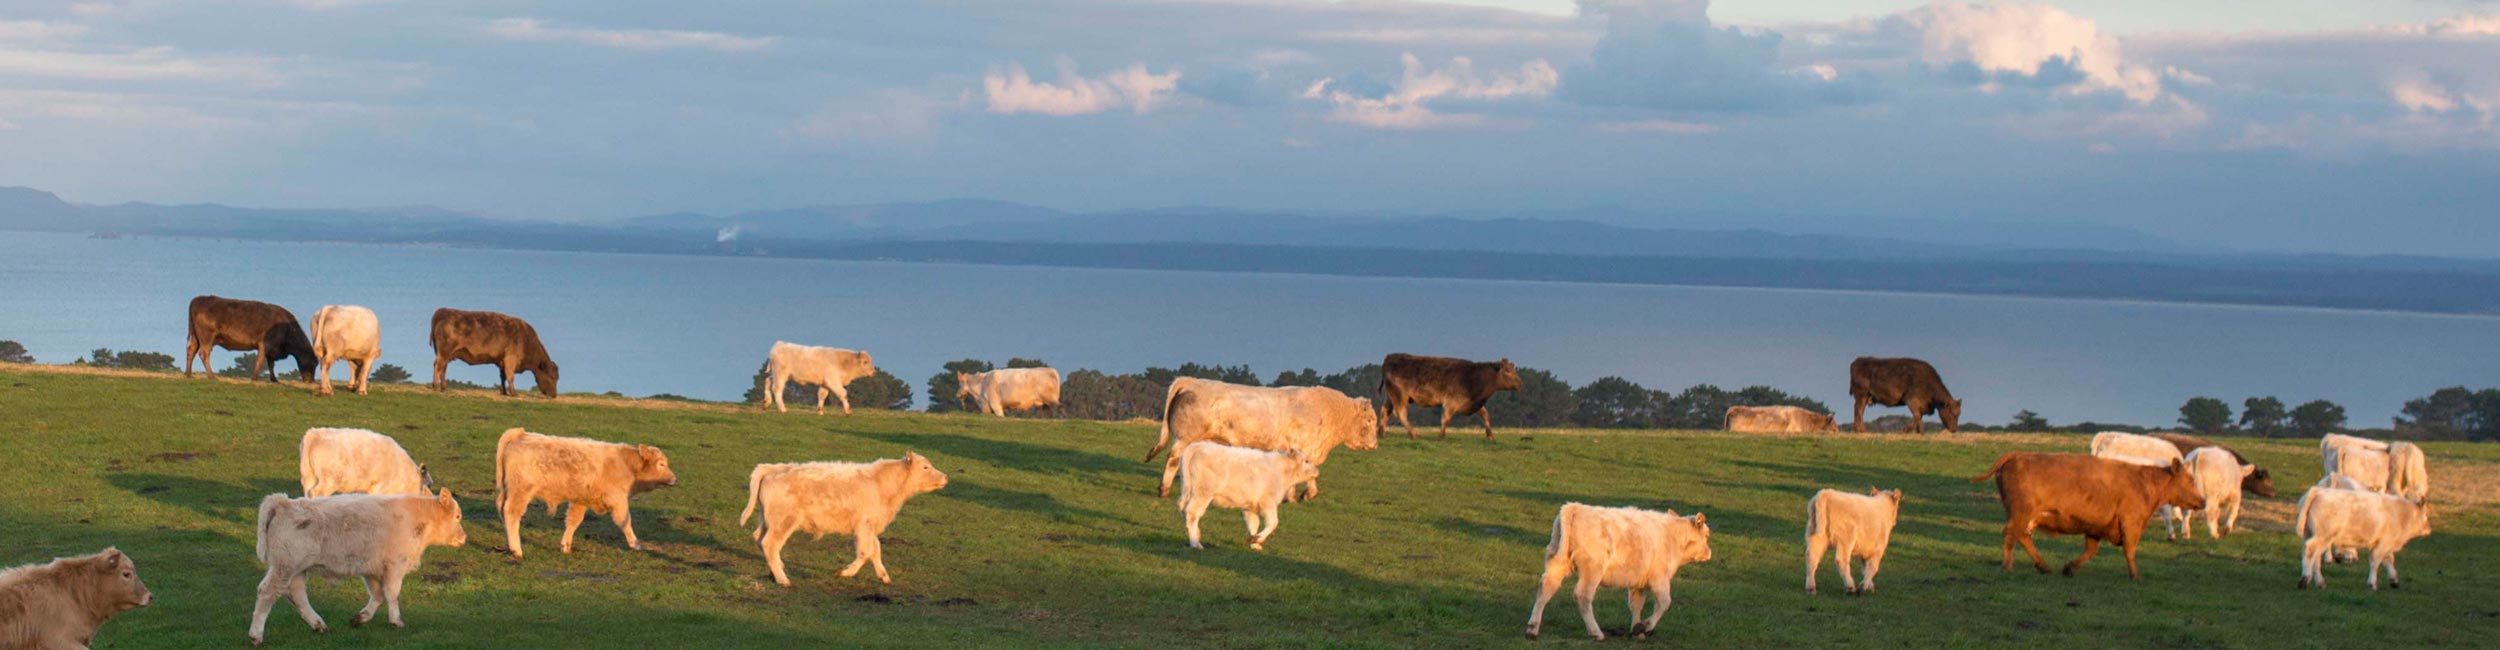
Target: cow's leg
2231, 523
1171, 467
1866, 583
1666, 597
1191, 511
2392, 581
303, 604
1637, 597
2213, 521
323, 377
875, 549
190, 349
2376, 558
1557, 567
260, 360
772, 392
271, 589
1259, 540
512, 507
440, 363
821, 394
509, 370
1446, 414
390, 593
373, 602
2020, 532
844, 393
2091, 547
1310, 490
1401, 405
621, 511
1815, 545
1841, 552
1484, 415
1585, 591
2313, 552
776, 537
573, 515
1860, 418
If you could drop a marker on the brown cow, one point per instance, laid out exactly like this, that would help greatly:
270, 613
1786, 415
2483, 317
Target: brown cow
1458, 386
1902, 382
60, 604
485, 337
2260, 482
2103, 500
269, 331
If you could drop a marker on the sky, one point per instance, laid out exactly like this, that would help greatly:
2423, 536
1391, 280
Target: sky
2281, 125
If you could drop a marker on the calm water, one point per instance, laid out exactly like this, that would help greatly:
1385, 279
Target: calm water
699, 326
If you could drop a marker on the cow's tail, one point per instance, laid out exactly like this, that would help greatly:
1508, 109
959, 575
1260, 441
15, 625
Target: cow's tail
269, 507
2406, 471
1816, 520
304, 462
500, 443
1560, 543
1163, 438
2300, 516
1995, 469
754, 481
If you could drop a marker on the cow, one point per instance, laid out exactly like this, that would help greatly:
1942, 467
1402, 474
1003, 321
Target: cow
335, 461
1013, 389
1902, 382
585, 475
1307, 420
2331, 518
267, 330
485, 337
1252, 480
1457, 386
349, 333
856, 499
2219, 476
1627, 548
1853, 526
2392, 467
2103, 500
379, 538
2148, 451
60, 604
830, 369
2259, 482
1778, 419
2338, 481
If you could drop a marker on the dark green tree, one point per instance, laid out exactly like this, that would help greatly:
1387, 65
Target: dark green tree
881, 390
391, 374
1096, 395
2205, 415
242, 367
1541, 401
942, 386
130, 360
12, 352
1307, 377
1617, 403
1364, 381
1021, 362
2452, 413
2027, 421
2263, 416
2317, 418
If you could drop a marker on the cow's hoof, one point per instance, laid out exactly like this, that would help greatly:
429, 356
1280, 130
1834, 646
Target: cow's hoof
256, 640
397, 625
1809, 591
2303, 585
1531, 636
2391, 584
358, 621
321, 628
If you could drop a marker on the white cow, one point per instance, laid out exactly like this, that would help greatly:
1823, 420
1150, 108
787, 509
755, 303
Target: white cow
856, 499
2392, 467
2217, 474
1253, 480
334, 461
2331, 517
2148, 451
830, 369
349, 333
2338, 481
1628, 548
1853, 526
1309, 420
378, 538
1012, 389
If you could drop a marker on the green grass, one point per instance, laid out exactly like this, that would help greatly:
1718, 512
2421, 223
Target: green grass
1050, 536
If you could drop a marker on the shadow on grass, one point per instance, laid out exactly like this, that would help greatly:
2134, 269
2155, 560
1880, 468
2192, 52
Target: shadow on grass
1722, 520
1498, 532
211, 499
1034, 503
1026, 457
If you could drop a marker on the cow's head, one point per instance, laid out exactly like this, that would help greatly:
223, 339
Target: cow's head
2256, 480
1696, 546
545, 373
1824, 422
963, 388
1364, 432
863, 365
2421, 519
288, 340
2178, 487
924, 476
444, 529
1508, 379
116, 583
1302, 470
651, 469
424, 478
1951, 413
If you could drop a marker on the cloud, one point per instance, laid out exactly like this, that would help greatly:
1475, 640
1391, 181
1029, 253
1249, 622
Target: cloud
1011, 90
146, 64
1666, 54
2421, 96
1998, 42
1666, 127
532, 30
2458, 26
34, 31
1406, 105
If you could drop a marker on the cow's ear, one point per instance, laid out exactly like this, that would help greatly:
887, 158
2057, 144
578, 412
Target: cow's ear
1873, 491
648, 452
1701, 518
1896, 495
112, 558
443, 496
2248, 471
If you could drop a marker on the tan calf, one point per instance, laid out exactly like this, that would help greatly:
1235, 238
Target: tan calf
829, 369
1252, 480
2218, 475
856, 499
1627, 548
1854, 527
2331, 517
379, 539
336, 461
60, 604
582, 474
1013, 389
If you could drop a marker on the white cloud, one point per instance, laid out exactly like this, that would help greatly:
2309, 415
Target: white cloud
1011, 90
1406, 105
535, 31
2037, 41
2421, 96
148, 64
37, 31
2458, 26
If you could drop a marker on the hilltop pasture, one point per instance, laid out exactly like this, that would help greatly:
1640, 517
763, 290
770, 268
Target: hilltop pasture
1050, 536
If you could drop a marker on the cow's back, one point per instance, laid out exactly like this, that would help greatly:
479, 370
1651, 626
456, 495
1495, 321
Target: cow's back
345, 330
556, 468
356, 460
824, 497
1619, 547
1892, 381
2076, 492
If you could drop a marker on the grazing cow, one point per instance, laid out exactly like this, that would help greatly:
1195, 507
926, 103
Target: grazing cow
1902, 382
61, 603
2219, 476
2259, 482
830, 369
350, 333
1012, 389
585, 475
2148, 451
1779, 419
1252, 480
379, 538
855, 499
1853, 526
2103, 500
2392, 467
1306, 420
1627, 548
2336, 518
267, 330
1457, 386
335, 461
485, 337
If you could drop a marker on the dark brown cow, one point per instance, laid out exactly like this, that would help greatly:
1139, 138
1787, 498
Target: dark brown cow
485, 337
267, 330
1458, 386
1902, 382
2260, 482
2068, 494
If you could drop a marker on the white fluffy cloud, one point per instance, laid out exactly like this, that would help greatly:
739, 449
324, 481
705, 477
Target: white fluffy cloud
1407, 105
1011, 90
533, 30
2032, 42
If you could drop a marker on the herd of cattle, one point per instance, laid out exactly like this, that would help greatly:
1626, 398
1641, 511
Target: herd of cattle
370, 511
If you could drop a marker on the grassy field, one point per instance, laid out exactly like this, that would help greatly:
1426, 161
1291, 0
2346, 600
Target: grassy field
1050, 536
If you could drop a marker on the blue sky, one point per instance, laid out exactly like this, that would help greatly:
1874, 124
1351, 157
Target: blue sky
2305, 125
